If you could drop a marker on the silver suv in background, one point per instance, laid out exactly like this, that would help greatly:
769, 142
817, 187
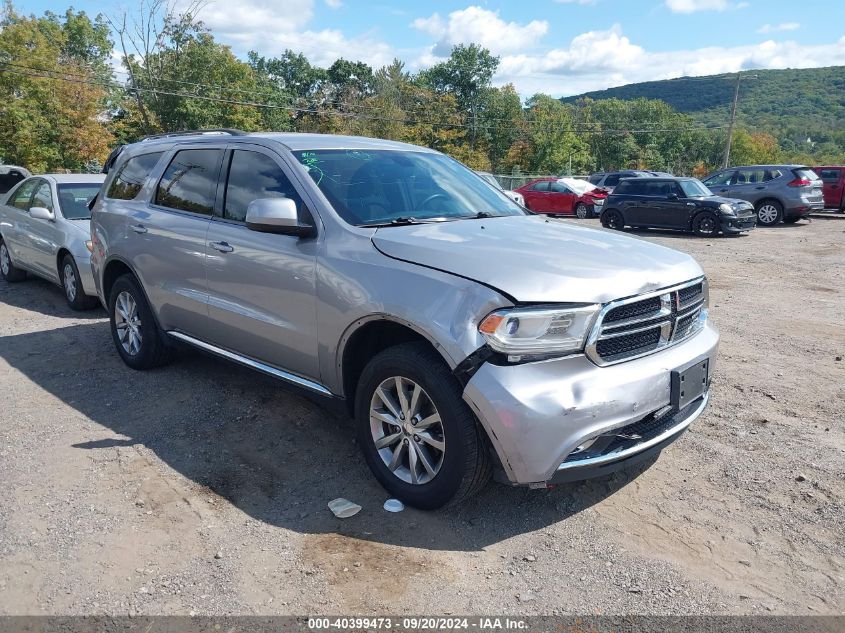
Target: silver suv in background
465, 335
778, 192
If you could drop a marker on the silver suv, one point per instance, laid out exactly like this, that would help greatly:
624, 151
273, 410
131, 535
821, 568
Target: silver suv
465, 335
778, 192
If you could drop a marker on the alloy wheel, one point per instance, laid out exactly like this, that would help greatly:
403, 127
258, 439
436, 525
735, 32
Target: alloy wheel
69, 281
128, 323
5, 262
767, 214
407, 430
581, 211
707, 225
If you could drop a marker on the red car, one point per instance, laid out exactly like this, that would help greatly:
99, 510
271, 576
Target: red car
833, 179
565, 196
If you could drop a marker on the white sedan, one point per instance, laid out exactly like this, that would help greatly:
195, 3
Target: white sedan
45, 230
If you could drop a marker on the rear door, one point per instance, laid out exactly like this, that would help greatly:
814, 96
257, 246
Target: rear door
261, 286
832, 187
15, 222
166, 239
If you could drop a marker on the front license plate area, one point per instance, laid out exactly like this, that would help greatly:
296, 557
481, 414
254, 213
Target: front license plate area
689, 383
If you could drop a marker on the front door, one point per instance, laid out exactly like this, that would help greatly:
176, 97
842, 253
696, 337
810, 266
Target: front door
15, 232
261, 286
45, 237
720, 184
669, 208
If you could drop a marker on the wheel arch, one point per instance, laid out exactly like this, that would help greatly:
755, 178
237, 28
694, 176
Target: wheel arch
699, 212
368, 336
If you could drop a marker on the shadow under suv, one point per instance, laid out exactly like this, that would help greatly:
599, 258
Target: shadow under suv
465, 336
778, 192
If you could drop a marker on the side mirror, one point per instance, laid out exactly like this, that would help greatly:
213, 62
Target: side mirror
41, 213
276, 215
672, 196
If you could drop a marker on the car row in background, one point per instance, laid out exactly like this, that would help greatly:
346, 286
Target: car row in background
513, 195
608, 180
784, 193
683, 204
563, 196
45, 230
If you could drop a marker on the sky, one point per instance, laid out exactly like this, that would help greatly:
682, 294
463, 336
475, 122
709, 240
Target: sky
558, 47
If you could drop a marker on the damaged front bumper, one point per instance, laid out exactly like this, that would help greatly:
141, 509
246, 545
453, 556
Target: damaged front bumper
567, 419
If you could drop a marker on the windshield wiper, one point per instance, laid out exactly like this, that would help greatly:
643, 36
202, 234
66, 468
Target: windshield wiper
403, 221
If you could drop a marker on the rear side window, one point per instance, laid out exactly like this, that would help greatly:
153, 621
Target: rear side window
830, 175
190, 181
21, 197
253, 176
132, 176
559, 187
628, 186
752, 176
612, 180
596, 178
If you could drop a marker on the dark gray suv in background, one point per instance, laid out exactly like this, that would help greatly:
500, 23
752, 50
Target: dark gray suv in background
465, 335
778, 192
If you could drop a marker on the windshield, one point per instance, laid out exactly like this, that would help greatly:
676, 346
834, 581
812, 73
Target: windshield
74, 199
695, 189
380, 186
578, 186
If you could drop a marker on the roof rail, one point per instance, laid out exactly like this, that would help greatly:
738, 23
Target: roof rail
213, 130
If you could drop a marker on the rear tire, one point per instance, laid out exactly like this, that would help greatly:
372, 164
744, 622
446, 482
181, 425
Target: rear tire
7, 268
134, 330
612, 219
453, 447
769, 212
72, 285
706, 224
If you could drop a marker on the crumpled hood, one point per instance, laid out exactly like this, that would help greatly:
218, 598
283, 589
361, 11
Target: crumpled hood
536, 260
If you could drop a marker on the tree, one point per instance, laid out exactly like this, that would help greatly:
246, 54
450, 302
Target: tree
53, 98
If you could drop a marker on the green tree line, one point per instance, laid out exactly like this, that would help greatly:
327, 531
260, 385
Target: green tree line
62, 107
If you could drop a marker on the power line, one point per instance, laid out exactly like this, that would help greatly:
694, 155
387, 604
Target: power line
32, 71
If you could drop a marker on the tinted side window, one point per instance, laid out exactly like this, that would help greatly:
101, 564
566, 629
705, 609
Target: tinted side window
21, 197
627, 187
829, 175
750, 176
131, 177
252, 176
722, 178
559, 187
612, 181
540, 186
42, 196
190, 181
596, 178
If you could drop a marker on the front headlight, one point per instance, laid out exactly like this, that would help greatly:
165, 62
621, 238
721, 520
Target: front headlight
543, 331
727, 209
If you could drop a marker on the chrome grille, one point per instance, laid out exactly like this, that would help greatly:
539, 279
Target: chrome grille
634, 327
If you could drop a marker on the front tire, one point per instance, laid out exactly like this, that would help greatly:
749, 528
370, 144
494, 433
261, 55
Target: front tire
134, 330
72, 285
581, 211
420, 439
7, 269
612, 219
769, 212
706, 225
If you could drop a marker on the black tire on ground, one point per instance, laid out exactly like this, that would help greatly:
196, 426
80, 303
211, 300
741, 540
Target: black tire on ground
792, 219
612, 219
582, 211
705, 224
72, 286
152, 350
466, 465
7, 269
769, 212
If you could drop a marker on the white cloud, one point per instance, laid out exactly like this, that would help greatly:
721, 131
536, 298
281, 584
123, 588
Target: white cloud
480, 26
692, 6
334, 4
271, 26
775, 28
602, 59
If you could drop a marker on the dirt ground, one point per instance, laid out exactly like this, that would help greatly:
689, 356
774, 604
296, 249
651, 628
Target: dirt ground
202, 487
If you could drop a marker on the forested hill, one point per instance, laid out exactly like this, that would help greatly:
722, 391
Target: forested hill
792, 104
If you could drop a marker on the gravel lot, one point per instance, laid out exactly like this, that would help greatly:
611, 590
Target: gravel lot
202, 487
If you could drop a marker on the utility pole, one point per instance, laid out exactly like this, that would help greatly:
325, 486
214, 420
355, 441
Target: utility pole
733, 119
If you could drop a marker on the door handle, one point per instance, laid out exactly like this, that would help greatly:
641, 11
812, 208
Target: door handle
139, 228
223, 247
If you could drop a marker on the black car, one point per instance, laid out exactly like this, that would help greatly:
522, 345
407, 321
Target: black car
607, 180
684, 204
